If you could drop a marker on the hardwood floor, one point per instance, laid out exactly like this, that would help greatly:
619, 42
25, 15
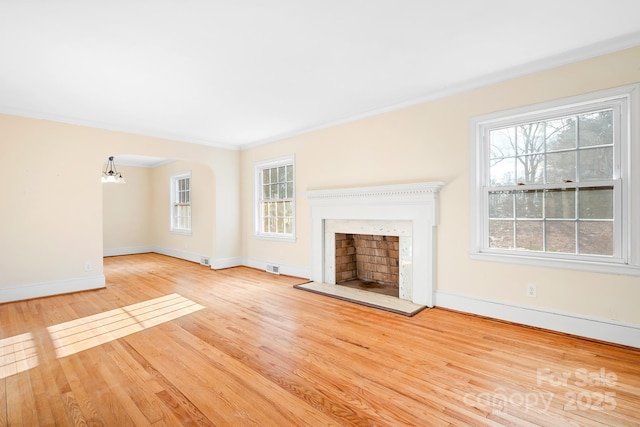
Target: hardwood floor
170, 342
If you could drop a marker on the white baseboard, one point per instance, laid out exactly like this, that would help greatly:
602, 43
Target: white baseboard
130, 250
570, 323
219, 263
289, 270
188, 256
54, 287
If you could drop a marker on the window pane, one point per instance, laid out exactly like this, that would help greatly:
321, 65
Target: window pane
561, 167
529, 204
530, 138
501, 204
529, 169
596, 128
501, 234
502, 171
277, 186
561, 236
288, 226
595, 203
529, 235
596, 238
561, 134
595, 164
560, 203
502, 143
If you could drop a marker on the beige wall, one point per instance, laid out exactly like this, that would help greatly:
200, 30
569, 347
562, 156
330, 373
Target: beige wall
127, 212
52, 203
200, 241
430, 142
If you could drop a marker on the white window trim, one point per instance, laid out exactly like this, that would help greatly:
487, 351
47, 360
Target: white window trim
172, 195
629, 185
257, 188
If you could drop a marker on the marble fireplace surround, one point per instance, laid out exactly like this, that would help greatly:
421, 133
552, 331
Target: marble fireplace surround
408, 211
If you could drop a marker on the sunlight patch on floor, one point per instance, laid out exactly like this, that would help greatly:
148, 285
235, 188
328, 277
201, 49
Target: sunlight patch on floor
17, 354
91, 331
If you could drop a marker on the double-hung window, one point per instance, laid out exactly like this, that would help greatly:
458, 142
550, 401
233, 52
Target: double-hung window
552, 183
181, 203
275, 199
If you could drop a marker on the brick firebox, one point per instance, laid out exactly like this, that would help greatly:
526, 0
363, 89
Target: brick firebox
370, 258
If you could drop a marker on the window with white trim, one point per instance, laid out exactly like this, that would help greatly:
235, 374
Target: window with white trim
275, 199
181, 203
552, 183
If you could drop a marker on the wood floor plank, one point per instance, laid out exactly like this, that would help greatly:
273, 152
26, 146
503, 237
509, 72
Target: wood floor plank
251, 350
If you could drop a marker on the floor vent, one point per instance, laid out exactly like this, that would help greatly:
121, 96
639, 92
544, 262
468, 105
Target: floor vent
205, 261
274, 269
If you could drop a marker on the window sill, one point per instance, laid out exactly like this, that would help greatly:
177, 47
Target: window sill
581, 265
276, 237
181, 232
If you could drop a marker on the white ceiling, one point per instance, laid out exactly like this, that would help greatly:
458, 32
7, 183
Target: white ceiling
245, 72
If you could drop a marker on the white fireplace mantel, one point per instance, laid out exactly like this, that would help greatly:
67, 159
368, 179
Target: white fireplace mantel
415, 204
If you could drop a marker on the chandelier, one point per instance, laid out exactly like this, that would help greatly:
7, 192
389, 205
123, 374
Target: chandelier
111, 174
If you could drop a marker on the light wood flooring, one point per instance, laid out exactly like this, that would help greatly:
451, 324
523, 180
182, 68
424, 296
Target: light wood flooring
170, 342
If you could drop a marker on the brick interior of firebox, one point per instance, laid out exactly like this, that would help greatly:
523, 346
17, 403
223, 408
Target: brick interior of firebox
368, 262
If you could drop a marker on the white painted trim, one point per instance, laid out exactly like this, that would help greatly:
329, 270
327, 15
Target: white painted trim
135, 130
415, 202
570, 323
288, 270
390, 193
188, 256
50, 288
129, 250
219, 263
258, 168
626, 259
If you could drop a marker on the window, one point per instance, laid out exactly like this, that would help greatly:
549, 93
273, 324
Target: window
181, 203
275, 199
551, 183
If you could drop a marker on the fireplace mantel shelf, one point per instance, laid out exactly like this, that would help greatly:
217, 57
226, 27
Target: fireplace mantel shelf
398, 190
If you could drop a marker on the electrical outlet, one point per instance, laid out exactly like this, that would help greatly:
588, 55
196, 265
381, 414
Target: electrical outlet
87, 266
532, 291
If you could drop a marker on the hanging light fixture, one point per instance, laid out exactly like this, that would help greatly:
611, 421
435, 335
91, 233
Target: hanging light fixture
111, 174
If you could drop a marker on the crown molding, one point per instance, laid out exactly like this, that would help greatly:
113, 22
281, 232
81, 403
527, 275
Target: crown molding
572, 56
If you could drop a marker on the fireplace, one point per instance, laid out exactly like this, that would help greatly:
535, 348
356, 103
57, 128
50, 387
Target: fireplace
369, 262
407, 212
